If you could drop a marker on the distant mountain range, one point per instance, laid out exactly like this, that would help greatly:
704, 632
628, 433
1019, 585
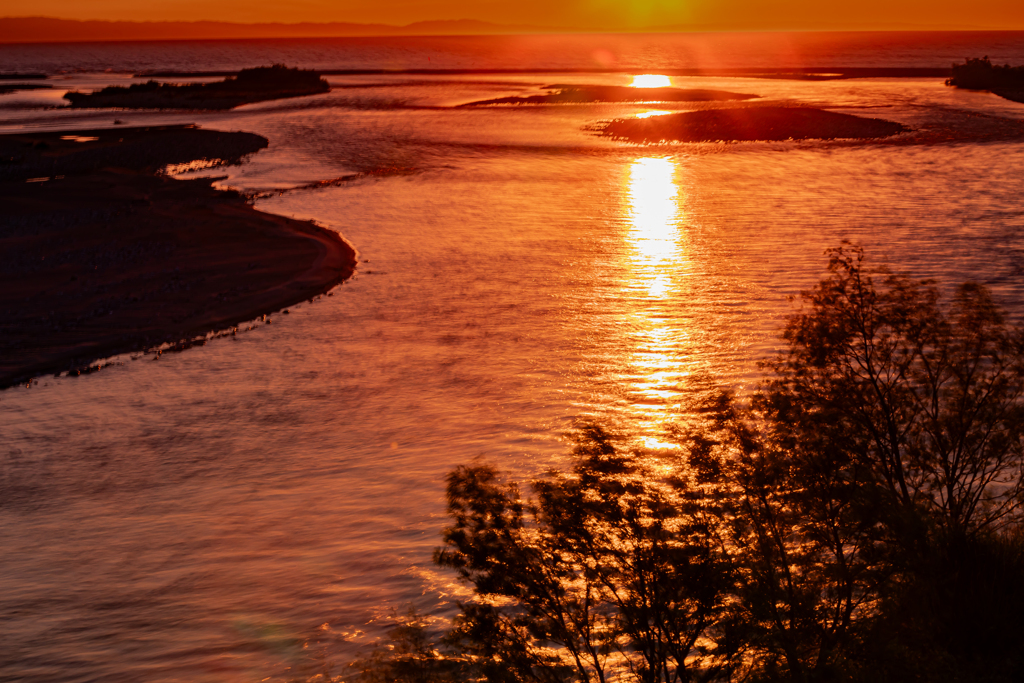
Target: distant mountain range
48, 29
52, 30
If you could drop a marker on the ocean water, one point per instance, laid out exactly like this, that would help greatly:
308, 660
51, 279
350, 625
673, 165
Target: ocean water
261, 508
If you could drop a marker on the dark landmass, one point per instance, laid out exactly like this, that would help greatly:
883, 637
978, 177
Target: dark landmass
981, 74
250, 85
582, 94
21, 77
147, 150
748, 124
12, 87
99, 255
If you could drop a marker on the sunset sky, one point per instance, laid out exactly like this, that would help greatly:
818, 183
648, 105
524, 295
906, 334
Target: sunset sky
578, 14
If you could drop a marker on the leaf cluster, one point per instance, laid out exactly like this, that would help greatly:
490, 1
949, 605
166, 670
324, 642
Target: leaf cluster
612, 572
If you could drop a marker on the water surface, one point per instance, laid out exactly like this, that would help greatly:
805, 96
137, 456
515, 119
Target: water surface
263, 504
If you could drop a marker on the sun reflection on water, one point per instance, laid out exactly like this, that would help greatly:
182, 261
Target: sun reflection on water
651, 81
656, 257
654, 209
653, 112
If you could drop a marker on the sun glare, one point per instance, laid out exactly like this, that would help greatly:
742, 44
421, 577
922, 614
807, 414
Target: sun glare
651, 81
655, 215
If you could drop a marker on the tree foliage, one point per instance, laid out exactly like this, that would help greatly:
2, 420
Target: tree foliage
613, 572
920, 401
857, 520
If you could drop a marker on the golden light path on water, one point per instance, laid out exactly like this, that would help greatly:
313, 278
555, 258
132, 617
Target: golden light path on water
651, 81
656, 253
652, 112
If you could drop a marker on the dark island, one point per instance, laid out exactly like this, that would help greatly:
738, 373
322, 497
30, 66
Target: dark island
100, 254
588, 94
981, 74
250, 85
749, 124
6, 88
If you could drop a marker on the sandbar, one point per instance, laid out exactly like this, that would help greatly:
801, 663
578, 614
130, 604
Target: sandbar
101, 255
767, 123
592, 94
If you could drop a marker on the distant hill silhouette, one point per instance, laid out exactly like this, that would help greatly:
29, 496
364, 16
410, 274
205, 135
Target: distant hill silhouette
250, 85
50, 30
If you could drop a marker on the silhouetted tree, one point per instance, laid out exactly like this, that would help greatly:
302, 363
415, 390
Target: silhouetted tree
919, 404
806, 567
858, 520
884, 449
614, 572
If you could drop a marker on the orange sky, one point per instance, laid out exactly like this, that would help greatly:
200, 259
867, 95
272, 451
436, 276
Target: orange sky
580, 14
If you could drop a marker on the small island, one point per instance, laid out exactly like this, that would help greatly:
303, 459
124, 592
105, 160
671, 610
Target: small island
102, 254
6, 88
981, 74
748, 124
593, 94
249, 85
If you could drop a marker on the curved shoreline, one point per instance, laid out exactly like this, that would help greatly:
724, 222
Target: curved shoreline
113, 260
